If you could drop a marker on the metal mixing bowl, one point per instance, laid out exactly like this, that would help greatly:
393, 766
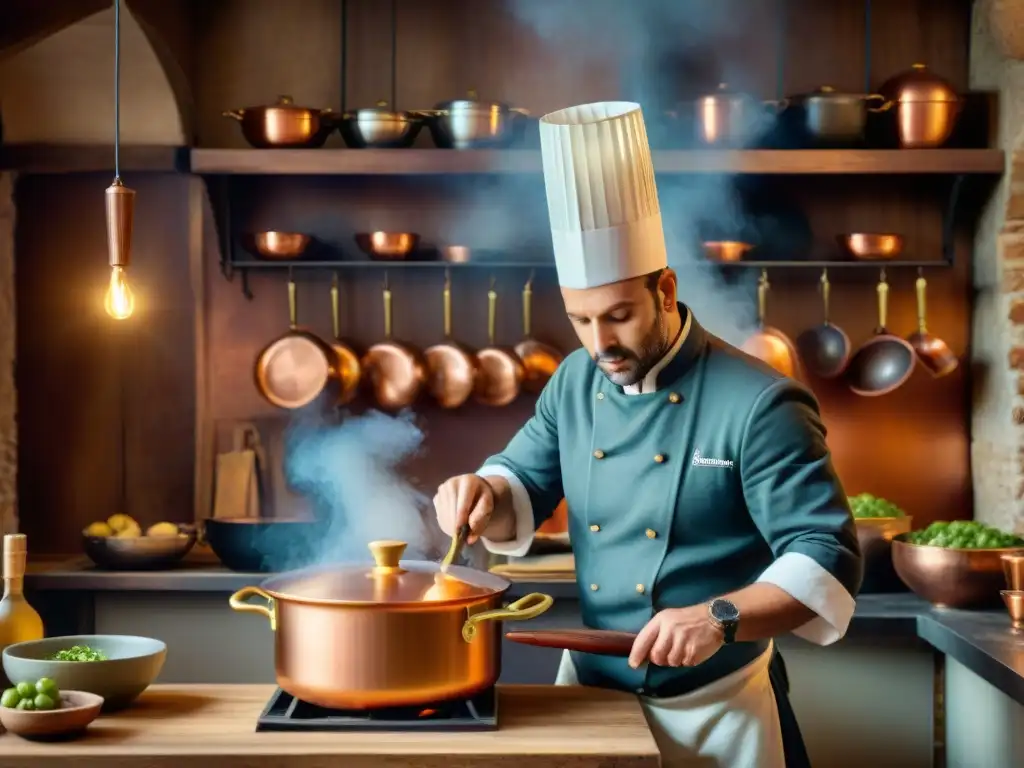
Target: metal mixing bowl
276, 245
869, 246
951, 578
387, 245
139, 553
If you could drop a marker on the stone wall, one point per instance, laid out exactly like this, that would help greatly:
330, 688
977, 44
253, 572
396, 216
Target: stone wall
997, 339
8, 399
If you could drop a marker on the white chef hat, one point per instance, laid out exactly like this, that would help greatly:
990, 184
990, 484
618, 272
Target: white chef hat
602, 199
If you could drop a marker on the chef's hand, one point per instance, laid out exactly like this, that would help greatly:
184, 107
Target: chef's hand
677, 637
464, 499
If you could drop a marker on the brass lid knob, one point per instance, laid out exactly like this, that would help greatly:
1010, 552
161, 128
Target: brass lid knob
386, 555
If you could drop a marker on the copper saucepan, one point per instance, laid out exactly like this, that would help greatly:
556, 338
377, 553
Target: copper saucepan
294, 370
770, 344
284, 125
933, 352
885, 361
501, 370
452, 368
348, 365
540, 360
395, 371
399, 633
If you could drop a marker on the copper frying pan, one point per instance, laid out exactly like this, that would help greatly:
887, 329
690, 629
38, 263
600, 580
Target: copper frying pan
933, 352
396, 372
349, 368
452, 368
770, 344
539, 359
293, 370
603, 641
501, 370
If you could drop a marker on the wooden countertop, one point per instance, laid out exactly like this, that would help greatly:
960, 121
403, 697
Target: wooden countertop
215, 727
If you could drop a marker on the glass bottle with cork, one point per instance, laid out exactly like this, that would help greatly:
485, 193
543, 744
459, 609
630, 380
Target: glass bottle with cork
18, 620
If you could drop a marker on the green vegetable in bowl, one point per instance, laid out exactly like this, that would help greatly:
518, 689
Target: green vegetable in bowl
865, 505
79, 653
41, 696
964, 534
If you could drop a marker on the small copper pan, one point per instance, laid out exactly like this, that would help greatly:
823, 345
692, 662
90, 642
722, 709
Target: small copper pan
539, 359
396, 372
933, 353
452, 368
770, 344
348, 365
294, 370
501, 370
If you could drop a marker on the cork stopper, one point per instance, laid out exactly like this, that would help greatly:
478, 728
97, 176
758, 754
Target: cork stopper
15, 555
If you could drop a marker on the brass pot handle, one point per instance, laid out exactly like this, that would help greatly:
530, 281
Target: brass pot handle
234, 114
877, 97
335, 318
762, 298
447, 305
922, 312
527, 607
492, 313
238, 602
883, 302
293, 312
528, 308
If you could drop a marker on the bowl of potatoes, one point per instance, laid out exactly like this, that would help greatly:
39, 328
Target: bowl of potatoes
119, 544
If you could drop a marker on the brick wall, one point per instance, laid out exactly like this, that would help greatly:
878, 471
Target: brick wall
997, 339
8, 399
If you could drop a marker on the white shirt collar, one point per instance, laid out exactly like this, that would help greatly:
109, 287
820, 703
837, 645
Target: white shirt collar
650, 382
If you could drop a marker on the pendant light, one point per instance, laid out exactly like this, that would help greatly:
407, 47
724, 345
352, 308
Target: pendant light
119, 302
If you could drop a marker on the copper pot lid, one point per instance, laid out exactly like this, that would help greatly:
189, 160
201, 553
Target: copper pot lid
388, 581
284, 104
918, 84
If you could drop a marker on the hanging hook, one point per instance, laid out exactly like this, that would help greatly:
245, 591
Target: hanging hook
334, 280
764, 277
291, 273
920, 271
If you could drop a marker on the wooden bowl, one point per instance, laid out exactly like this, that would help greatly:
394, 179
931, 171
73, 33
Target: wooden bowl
951, 578
77, 710
140, 553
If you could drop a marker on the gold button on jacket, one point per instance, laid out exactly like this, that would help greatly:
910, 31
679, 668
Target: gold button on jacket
595, 527
651, 533
599, 454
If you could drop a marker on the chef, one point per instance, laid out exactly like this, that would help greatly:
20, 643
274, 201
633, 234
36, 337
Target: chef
704, 510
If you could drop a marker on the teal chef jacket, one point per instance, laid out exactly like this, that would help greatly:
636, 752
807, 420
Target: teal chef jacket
717, 477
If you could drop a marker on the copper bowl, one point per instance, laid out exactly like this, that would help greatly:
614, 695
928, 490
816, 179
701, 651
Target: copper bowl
951, 578
875, 535
276, 245
870, 246
387, 245
726, 250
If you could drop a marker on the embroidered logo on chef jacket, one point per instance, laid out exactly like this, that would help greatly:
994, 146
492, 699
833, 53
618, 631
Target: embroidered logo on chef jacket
704, 461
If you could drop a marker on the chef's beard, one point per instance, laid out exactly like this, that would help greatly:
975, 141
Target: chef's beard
632, 366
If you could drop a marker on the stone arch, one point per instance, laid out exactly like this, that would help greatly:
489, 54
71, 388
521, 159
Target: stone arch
59, 89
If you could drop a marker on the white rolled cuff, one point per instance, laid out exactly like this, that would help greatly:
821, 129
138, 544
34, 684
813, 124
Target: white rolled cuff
523, 508
802, 578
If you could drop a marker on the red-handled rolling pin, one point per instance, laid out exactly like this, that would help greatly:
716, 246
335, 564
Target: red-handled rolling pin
602, 641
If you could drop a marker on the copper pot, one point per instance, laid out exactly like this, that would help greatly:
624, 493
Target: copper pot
948, 577
925, 107
769, 344
398, 633
729, 119
501, 370
283, 125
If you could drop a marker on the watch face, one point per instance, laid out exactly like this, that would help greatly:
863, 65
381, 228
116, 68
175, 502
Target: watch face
724, 611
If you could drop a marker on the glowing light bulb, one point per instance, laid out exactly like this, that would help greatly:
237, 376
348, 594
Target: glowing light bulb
119, 301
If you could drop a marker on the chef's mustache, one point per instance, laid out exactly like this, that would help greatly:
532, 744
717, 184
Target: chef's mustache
613, 355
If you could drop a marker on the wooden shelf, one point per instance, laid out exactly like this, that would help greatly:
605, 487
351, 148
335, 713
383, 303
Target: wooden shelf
72, 158
245, 264
408, 162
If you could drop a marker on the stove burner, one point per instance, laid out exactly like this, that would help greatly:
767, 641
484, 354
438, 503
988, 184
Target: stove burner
286, 713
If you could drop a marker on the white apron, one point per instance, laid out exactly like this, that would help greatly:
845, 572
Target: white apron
731, 723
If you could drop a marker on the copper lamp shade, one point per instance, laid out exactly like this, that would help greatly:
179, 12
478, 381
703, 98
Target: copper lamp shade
120, 213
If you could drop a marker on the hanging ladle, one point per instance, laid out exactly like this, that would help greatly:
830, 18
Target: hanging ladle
933, 352
885, 361
825, 349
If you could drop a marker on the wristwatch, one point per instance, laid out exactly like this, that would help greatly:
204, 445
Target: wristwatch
725, 616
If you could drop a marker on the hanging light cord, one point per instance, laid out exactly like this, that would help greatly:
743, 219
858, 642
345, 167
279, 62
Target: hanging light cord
117, 89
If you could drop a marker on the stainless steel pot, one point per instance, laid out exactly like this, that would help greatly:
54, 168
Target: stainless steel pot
473, 124
729, 119
379, 128
398, 633
832, 117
